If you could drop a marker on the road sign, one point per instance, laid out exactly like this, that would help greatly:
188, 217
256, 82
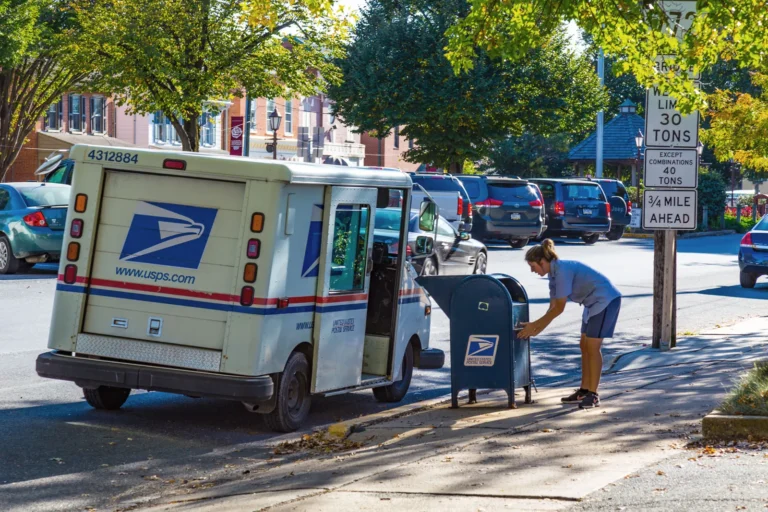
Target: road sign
669, 209
665, 126
671, 168
680, 15
664, 64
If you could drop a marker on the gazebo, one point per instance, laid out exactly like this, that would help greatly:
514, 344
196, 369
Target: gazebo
619, 147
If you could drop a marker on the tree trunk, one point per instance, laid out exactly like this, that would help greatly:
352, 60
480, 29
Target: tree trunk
189, 132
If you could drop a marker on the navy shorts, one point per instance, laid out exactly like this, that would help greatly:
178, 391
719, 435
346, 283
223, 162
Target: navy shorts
603, 324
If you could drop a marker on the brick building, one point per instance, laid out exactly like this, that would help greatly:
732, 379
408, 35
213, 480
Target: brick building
388, 151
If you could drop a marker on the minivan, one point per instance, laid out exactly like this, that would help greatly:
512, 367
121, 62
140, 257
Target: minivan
621, 206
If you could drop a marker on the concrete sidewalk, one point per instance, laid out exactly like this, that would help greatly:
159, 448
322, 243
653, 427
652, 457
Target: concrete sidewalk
544, 456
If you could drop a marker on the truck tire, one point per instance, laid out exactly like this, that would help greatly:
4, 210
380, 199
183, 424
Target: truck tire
293, 398
106, 397
615, 233
747, 280
429, 268
590, 239
397, 390
481, 263
519, 243
8, 263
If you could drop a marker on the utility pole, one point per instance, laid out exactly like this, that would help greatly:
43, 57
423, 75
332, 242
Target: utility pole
599, 157
247, 129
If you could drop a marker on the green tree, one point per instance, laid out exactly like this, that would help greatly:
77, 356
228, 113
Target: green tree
633, 32
396, 74
37, 41
531, 156
175, 55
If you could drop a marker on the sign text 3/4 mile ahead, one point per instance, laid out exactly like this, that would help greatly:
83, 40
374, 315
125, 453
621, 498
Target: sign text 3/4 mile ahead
669, 209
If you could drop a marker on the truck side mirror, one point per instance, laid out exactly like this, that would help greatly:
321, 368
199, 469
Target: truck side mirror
428, 216
424, 245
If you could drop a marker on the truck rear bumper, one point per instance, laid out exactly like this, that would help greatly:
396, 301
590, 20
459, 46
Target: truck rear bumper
431, 359
91, 373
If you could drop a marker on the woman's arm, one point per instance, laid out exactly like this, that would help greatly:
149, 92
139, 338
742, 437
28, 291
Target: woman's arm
556, 308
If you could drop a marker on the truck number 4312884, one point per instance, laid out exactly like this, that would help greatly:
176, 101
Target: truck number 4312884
113, 156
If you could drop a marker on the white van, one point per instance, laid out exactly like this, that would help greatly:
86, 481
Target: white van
249, 280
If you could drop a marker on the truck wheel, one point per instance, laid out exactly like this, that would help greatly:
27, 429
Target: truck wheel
429, 268
519, 244
106, 397
481, 263
293, 398
397, 390
747, 280
591, 239
615, 233
9, 264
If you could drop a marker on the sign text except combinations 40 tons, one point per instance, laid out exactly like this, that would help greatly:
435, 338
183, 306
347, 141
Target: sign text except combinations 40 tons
670, 209
671, 168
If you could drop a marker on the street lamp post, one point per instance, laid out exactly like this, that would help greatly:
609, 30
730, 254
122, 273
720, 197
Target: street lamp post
274, 125
639, 146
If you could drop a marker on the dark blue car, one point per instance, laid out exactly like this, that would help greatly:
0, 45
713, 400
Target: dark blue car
753, 254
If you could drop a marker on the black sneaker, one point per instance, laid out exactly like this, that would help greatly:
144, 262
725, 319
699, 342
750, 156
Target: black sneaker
576, 397
590, 401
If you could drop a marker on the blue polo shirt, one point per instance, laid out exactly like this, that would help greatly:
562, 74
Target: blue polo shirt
581, 284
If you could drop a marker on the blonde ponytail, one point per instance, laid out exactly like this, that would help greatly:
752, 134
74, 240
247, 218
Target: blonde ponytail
545, 251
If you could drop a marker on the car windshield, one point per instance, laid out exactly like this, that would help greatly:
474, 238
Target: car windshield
388, 218
437, 183
580, 192
42, 195
763, 224
57, 176
511, 191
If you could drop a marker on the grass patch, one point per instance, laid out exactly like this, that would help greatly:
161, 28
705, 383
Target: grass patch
750, 397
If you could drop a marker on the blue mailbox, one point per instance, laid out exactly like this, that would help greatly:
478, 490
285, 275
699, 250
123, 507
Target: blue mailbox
485, 311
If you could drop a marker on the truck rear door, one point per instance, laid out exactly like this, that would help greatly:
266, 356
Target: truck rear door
164, 262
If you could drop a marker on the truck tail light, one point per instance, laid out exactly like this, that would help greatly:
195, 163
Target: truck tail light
254, 247
489, 203
608, 209
747, 240
246, 296
70, 274
178, 165
536, 203
76, 228
408, 251
36, 220
257, 222
460, 207
81, 202
249, 274
469, 210
559, 208
427, 310
629, 207
73, 251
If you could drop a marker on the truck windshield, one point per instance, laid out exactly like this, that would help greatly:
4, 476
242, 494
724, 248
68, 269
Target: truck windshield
41, 195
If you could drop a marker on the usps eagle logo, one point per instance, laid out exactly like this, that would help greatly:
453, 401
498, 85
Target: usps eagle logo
173, 235
481, 350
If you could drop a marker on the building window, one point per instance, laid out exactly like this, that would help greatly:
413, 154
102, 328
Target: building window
397, 137
270, 109
98, 114
163, 131
288, 120
306, 119
54, 115
410, 142
76, 113
253, 115
207, 130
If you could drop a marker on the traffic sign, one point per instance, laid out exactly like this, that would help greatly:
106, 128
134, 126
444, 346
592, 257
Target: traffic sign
680, 16
671, 168
664, 65
670, 209
665, 126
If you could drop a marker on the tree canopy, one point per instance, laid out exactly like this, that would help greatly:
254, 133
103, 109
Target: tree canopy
396, 74
173, 56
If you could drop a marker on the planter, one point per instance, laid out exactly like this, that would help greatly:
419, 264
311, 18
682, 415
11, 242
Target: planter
724, 427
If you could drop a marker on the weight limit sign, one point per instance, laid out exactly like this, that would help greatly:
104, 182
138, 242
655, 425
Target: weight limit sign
671, 168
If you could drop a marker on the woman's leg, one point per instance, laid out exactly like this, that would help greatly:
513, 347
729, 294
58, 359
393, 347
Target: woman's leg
595, 364
584, 362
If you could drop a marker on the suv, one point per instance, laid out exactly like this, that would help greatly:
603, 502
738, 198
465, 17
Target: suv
575, 208
449, 194
621, 206
505, 209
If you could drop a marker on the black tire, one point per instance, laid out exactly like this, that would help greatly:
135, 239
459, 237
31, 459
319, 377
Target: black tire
615, 233
591, 239
106, 397
481, 263
747, 280
293, 398
429, 268
8, 263
519, 244
397, 390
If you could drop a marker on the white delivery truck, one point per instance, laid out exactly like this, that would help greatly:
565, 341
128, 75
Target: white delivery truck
249, 280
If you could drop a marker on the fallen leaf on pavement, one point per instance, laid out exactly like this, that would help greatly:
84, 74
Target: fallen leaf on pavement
568, 466
660, 473
547, 430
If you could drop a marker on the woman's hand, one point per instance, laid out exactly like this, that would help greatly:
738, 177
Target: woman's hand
530, 329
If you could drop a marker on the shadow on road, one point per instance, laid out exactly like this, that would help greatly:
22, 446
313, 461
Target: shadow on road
42, 271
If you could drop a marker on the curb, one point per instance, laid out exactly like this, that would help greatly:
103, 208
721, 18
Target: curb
709, 233
723, 427
636, 235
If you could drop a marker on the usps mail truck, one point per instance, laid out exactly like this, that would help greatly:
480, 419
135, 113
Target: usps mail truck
250, 280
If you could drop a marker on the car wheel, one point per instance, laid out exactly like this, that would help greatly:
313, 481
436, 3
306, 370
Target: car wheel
481, 263
615, 233
106, 397
293, 398
8, 263
519, 244
429, 268
591, 239
397, 390
747, 280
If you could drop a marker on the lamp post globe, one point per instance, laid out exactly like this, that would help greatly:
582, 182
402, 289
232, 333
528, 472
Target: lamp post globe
274, 125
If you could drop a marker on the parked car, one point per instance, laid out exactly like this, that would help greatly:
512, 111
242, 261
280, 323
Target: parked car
505, 209
575, 208
621, 206
32, 220
449, 194
454, 253
56, 169
753, 254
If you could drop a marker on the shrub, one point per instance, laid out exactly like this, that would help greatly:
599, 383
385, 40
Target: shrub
712, 195
750, 397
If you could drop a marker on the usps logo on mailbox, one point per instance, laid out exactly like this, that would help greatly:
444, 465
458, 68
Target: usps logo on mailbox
481, 350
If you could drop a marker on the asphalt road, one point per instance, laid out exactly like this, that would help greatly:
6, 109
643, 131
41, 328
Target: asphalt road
51, 436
